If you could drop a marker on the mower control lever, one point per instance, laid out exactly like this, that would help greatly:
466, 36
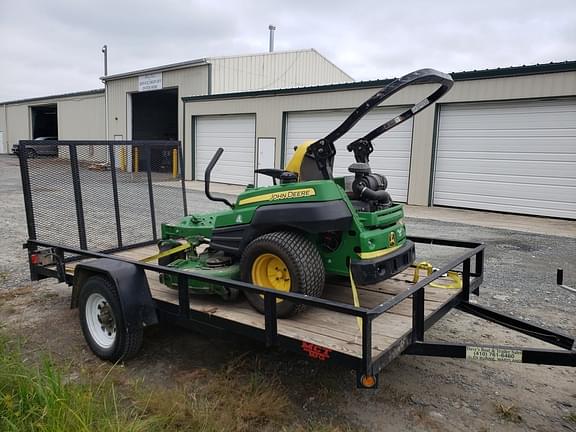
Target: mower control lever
207, 174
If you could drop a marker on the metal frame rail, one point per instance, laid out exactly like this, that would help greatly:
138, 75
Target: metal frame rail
470, 263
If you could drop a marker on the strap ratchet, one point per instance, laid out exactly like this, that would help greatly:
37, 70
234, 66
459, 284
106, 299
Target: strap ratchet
452, 275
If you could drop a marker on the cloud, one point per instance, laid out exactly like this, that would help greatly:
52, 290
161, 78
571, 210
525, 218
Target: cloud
50, 47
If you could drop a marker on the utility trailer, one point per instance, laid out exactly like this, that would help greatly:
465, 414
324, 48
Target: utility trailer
95, 211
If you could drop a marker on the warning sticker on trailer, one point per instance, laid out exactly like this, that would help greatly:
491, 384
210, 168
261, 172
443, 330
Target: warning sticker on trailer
494, 354
315, 351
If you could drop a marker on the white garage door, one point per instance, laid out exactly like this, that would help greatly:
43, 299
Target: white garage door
391, 155
517, 157
236, 134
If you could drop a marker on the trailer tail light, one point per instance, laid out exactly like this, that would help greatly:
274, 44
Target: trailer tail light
35, 258
43, 257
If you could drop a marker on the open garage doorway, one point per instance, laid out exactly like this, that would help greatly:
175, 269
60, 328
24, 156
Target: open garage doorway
155, 117
45, 121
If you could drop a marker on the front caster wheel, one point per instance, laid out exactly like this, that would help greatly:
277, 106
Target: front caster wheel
284, 261
103, 323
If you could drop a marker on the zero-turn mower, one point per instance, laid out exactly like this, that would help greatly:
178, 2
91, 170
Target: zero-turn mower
306, 226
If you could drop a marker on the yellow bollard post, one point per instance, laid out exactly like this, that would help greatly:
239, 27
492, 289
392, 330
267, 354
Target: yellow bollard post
136, 159
175, 163
122, 158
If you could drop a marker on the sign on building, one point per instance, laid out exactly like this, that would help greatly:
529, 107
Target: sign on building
150, 82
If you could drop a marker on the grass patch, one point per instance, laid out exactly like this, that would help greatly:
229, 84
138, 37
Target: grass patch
571, 417
217, 405
38, 398
508, 413
42, 396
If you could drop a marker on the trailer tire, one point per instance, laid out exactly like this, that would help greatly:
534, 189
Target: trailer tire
102, 321
298, 260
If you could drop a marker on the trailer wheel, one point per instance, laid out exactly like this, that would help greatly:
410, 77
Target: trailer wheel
31, 153
285, 261
103, 323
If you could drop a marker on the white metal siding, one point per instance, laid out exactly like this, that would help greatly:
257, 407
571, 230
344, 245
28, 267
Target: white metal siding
515, 157
18, 124
236, 134
82, 118
391, 155
272, 71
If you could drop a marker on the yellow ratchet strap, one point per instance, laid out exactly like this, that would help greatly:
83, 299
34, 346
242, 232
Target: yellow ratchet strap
168, 252
356, 299
452, 275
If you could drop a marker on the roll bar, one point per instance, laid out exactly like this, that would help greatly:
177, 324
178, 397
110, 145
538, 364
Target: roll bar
324, 150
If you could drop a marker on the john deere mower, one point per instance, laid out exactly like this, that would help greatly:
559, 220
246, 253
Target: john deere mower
308, 224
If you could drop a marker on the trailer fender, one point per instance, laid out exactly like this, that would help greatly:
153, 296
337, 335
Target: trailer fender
135, 299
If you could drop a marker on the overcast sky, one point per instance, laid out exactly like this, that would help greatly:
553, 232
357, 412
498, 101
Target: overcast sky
54, 46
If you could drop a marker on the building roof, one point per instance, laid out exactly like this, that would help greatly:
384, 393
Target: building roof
57, 96
510, 71
164, 68
203, 61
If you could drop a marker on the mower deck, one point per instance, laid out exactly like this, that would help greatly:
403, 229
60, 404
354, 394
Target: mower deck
337, 332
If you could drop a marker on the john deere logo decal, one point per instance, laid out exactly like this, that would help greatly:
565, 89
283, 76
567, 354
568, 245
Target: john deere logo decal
281, 195
298, 193
392, 239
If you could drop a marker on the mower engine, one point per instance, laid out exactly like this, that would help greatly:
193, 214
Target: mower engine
368, 190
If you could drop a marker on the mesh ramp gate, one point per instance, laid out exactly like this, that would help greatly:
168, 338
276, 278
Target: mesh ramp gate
102, 195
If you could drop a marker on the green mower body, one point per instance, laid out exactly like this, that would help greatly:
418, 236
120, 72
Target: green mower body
373, 243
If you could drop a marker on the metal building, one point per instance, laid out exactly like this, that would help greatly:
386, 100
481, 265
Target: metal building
502, 139
146, 104
79, 115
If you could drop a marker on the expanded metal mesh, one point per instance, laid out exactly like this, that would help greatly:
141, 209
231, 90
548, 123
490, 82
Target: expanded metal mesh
103, 195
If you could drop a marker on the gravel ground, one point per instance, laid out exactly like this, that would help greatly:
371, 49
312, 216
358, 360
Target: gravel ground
520, 269
415, 393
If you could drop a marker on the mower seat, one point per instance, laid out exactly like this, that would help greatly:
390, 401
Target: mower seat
278, 174
304, 166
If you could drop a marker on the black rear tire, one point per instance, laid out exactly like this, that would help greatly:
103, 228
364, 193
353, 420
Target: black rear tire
102, 321
302, 260
31, 154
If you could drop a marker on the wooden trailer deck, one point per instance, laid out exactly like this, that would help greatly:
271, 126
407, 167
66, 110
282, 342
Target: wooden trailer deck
332, 330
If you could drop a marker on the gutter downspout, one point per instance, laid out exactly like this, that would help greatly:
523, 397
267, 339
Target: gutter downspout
106, 126
8, 148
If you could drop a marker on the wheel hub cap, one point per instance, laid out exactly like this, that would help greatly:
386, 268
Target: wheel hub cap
270, 271
100, 320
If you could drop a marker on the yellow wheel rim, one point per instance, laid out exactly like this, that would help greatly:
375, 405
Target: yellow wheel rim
270, 271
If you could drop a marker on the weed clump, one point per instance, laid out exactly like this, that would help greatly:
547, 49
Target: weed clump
39, 398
